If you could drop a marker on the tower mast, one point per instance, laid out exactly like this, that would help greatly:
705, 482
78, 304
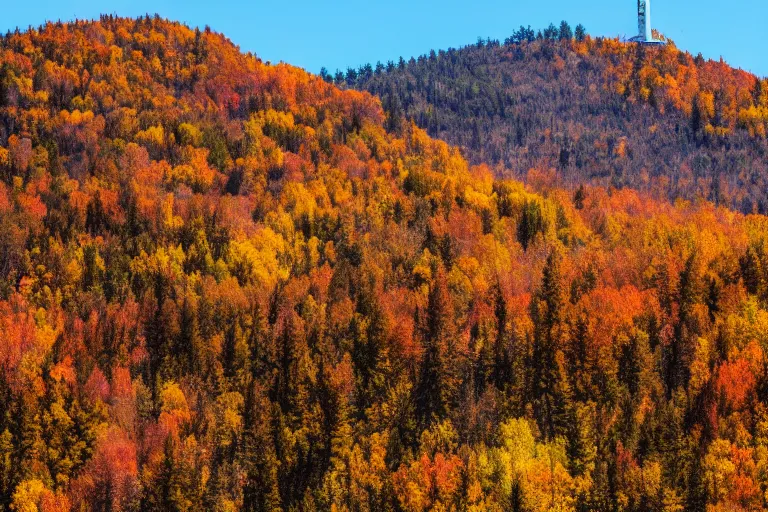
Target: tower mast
647, 29
644, 28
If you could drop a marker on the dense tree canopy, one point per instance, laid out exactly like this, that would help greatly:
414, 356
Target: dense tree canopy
225, 285
593, 110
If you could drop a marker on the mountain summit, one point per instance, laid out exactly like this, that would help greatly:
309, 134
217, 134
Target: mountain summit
596, 110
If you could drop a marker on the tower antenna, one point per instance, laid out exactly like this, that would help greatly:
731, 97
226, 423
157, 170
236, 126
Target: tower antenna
644, 30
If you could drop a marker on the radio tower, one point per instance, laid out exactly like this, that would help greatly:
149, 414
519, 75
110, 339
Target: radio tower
645, 33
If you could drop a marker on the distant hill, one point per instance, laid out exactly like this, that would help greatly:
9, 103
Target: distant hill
595, 110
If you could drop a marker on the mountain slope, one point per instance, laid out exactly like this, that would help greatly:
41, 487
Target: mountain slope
595, 110
224, 285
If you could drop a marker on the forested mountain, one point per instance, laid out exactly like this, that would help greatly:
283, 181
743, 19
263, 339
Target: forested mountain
592, 110
226, 285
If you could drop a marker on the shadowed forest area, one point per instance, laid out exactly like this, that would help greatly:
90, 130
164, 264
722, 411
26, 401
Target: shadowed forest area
588, 110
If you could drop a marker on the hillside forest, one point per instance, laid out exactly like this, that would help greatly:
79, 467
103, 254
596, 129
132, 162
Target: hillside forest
590, 110
230, 285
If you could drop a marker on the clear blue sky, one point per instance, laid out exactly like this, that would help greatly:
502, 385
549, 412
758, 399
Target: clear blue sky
341, 33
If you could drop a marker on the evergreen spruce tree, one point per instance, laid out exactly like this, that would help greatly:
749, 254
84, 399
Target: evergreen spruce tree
436, 386
258, 458
550, 389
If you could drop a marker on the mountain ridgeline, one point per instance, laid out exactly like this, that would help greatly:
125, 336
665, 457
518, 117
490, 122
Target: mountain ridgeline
592, 110
228, 285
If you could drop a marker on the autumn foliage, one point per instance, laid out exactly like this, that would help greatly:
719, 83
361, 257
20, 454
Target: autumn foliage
595, 110
224, 285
